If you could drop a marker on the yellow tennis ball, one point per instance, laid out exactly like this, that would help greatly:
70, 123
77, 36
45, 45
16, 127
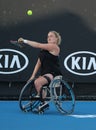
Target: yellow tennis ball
29, 12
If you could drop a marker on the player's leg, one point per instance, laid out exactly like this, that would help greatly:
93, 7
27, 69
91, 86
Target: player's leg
39, 83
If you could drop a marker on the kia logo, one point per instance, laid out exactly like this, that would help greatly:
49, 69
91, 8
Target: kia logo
12, 61
81, 63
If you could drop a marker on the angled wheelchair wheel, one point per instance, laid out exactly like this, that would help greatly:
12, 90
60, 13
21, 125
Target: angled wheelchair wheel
63, 96
28, 100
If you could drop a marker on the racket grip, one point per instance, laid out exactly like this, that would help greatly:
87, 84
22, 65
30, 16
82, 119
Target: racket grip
16, 43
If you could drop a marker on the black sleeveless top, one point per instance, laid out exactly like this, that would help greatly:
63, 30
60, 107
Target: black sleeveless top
49, 63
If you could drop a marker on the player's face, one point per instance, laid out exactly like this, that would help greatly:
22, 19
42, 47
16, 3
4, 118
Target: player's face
51, 38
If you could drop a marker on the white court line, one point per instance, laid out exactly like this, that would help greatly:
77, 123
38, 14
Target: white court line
84, 116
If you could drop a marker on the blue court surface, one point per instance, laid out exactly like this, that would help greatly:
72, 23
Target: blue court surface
83, 118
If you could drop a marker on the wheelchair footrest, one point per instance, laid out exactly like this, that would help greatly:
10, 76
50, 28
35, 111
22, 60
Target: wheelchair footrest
41, 109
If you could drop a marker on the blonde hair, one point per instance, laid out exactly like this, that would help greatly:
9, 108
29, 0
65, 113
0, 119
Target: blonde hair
58, 37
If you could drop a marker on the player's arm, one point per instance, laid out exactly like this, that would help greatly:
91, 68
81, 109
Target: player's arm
49, 47
36, 69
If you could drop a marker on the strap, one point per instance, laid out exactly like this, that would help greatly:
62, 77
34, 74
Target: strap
47, 78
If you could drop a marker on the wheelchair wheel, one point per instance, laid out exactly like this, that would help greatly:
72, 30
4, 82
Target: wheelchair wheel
27, 99
63, 96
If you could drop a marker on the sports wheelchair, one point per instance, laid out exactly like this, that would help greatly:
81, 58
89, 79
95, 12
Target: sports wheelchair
58, 91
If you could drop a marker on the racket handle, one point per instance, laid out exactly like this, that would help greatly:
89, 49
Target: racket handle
16, 43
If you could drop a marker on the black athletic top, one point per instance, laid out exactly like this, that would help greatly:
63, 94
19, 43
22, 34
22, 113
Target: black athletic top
49, 63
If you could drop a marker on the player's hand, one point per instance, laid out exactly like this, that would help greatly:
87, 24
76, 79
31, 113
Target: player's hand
31, 78
20, 40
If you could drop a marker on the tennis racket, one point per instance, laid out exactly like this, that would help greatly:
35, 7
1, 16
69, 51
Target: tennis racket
16, 43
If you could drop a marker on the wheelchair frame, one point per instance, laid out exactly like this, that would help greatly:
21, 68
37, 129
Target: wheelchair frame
58, 91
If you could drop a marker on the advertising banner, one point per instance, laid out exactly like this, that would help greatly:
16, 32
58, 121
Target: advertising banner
75, 23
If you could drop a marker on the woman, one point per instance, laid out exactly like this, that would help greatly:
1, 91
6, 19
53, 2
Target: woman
48, 59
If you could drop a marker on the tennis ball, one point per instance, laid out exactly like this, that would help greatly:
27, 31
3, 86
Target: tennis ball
29, 12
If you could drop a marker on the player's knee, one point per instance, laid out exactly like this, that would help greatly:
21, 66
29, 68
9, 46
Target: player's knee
37, 83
